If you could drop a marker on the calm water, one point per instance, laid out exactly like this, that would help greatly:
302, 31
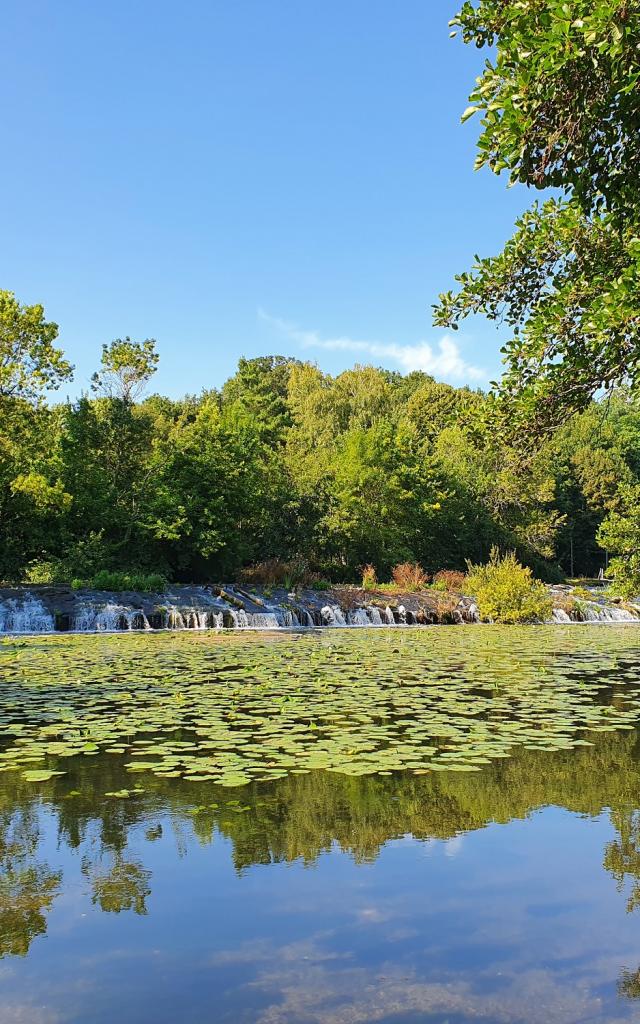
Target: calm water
506, 892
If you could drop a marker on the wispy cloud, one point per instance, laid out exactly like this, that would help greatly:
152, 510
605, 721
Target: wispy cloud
444, 361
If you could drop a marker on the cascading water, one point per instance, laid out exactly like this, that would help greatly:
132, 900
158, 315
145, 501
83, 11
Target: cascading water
332, 615
52, 609
26, 615
109, 619
559, 615
594, 612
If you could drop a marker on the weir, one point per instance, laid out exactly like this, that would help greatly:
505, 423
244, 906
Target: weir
41, 609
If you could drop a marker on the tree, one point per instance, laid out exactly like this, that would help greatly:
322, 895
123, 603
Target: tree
620, 534
126, 368
561, 108
260, 388
29, 361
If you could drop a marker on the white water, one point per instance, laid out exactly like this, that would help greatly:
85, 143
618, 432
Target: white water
200, 608
27, 615
592, 611
109, 619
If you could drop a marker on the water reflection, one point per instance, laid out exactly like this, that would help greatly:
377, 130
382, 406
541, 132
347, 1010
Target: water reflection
325, 950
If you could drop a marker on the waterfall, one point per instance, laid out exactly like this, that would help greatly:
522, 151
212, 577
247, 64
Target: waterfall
332, 615
109, 619
593, 612
28, 615
358, 617
559, 615
263, 620
42, 609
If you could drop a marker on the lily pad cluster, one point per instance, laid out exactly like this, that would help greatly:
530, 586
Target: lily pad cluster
233, 710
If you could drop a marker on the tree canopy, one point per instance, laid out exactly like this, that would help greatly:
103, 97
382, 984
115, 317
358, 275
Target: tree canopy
287, 462
560, 108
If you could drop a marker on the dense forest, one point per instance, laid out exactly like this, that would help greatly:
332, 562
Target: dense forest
286, 462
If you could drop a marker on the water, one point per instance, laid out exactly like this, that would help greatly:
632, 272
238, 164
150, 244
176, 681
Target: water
505, 895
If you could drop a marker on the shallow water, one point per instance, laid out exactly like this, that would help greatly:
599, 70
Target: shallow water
502, 894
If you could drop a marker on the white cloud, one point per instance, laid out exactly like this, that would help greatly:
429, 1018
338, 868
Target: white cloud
443, 361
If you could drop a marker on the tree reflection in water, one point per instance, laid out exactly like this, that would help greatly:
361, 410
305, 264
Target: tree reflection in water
297, 818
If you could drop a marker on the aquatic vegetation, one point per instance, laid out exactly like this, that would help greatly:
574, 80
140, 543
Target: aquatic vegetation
231, 710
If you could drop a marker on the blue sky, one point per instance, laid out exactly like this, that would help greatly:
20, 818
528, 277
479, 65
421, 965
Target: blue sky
243, 178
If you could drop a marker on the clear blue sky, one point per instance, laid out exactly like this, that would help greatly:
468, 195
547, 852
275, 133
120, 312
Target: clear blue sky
243, 177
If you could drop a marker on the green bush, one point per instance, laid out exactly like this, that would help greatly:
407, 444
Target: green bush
46, 571
107, 579
506, 591
321, 585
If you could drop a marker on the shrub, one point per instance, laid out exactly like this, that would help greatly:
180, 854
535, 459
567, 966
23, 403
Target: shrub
409, 576
107, 579
506, 591
276, 572
449, 579
369, 578
321, 585
49, 571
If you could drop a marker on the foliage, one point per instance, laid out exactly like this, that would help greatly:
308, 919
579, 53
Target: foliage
369, 578
560, 107
29, 361
307, 706
506, 591
449, 579
287, 466
126, 367
321, 585
276, 572
620, 534
113, 580
409, 576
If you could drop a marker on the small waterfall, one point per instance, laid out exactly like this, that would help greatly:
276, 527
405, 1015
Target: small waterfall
111, 618
358, 617
593, 612
332, 615
374, 615
239, 618
305, 618
28, 615
263, 620
388, 615
559, 615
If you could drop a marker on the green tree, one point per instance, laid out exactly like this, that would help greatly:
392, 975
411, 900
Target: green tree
620, 534
126, 368
29, 361
560, 107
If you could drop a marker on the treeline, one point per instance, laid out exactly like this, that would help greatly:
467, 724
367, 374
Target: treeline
286, 462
